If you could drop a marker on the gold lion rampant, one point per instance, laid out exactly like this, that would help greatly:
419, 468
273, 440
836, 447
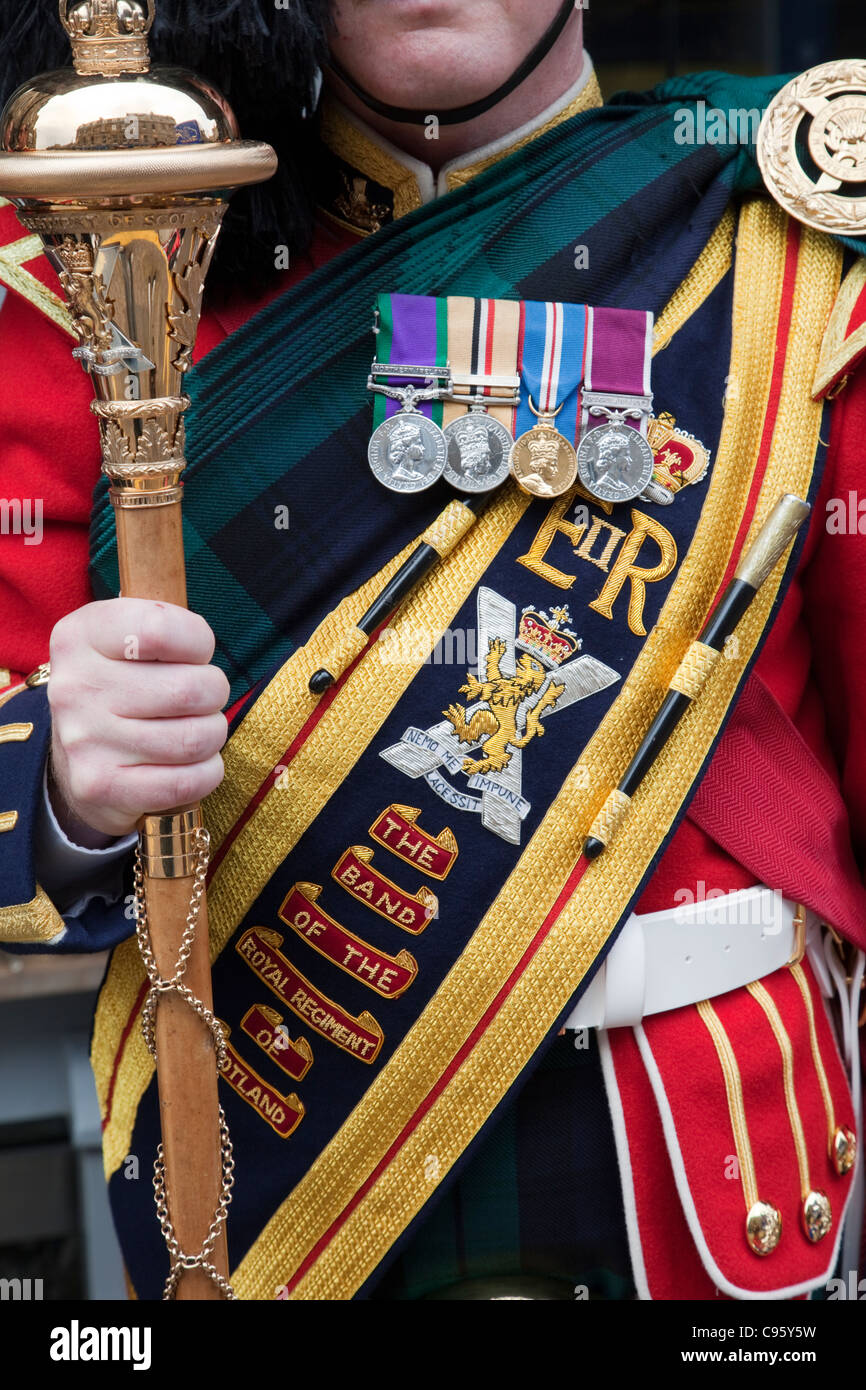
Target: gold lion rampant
496, 727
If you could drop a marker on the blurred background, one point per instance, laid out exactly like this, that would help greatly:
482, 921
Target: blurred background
638, 44
54, 1221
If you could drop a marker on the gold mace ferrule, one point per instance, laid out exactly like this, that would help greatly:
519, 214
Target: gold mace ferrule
125, 171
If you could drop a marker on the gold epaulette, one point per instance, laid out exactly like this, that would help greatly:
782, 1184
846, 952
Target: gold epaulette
843, 347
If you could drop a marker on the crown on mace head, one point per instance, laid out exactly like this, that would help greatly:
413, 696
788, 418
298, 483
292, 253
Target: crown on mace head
108, 37
544, 636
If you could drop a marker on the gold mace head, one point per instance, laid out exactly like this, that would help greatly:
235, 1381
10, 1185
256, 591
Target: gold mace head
112, 127
124, 171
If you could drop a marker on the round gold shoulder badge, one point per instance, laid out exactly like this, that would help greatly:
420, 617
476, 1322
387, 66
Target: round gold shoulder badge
812, 147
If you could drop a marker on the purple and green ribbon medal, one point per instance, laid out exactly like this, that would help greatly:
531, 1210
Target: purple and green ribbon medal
407, 450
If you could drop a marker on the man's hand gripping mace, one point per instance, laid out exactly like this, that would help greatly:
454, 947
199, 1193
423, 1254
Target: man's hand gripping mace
124, 172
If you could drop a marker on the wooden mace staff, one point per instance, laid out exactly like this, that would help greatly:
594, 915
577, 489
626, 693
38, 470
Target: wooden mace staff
124, 173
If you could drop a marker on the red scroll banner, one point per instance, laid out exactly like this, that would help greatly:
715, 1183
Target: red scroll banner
410, 911
265, 1026
283, 1113
389, 976
360, 1036
398, 831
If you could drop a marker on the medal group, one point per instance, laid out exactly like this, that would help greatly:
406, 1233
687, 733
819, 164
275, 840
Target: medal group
475, 390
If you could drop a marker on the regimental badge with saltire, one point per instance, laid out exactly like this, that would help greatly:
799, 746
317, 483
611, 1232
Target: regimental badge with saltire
526, 672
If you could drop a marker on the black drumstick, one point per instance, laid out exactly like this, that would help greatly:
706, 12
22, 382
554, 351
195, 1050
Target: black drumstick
757, 563
411, 572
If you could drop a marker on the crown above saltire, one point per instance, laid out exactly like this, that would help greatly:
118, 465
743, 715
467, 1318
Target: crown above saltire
545, 637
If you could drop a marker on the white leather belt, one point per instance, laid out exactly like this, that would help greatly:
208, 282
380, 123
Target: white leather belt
663, 960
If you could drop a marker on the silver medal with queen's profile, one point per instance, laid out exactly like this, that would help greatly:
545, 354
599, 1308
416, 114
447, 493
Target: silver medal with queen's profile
408, 452
479, 448
614, 462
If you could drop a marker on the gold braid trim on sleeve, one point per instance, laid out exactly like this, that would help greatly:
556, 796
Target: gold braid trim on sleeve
37, 920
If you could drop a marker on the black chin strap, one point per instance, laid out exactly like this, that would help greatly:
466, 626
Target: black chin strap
456, 115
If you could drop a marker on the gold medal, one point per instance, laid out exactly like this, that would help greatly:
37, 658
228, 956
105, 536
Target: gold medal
542, 460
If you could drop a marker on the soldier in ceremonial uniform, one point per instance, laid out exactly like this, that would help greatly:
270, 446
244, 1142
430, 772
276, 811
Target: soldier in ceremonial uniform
466, 1059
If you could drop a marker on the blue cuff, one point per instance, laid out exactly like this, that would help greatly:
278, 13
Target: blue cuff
29, 921
71, 874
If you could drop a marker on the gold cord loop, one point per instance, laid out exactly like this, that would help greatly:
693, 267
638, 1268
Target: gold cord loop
841, 1141
763, 1219
815, 1211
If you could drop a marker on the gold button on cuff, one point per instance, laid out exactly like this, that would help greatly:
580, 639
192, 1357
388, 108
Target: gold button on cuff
844, 1150
816, 1214
763, 1228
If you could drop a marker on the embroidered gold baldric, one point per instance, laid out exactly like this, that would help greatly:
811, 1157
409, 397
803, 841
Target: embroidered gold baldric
844, 345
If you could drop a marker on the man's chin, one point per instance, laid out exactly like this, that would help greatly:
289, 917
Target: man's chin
424, 53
